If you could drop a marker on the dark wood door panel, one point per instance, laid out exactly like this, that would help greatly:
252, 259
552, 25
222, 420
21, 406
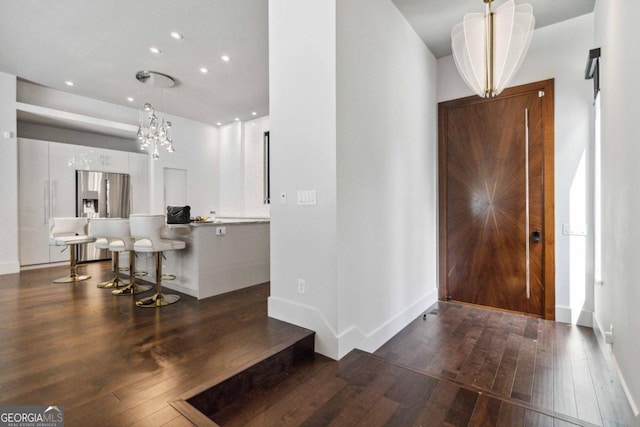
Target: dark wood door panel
483, 203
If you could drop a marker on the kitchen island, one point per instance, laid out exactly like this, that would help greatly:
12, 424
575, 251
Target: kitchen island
220, 256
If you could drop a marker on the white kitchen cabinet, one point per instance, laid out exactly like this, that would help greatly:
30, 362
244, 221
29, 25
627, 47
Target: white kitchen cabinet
139, 178
102, 160
47, 189
62, 189
34, 201
116, 161
89, 158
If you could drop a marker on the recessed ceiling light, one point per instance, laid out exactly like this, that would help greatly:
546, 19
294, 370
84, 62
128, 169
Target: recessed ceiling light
176, 35
237, 119
225, 58
130, 99
204, 70
154, 50
253, 113
69, 83
219, 124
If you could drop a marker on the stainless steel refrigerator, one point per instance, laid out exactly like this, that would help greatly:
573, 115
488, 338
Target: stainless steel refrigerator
100, 195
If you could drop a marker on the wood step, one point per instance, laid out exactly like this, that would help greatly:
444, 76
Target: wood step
219, 396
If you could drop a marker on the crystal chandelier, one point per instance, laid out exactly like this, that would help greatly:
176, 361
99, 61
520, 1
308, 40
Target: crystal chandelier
154, 132
489, 48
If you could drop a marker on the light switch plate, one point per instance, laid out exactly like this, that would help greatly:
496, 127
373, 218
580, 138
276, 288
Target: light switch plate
574, 229
306, 197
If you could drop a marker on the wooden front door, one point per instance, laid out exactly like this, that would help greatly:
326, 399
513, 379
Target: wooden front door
496, 200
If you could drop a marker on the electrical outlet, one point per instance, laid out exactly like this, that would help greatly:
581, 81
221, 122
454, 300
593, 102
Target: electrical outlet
221, 231
608, 336
301, 286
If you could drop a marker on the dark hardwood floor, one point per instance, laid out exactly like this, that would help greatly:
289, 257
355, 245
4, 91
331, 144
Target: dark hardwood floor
113, 364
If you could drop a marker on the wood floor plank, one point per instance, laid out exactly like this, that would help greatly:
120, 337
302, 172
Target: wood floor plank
585, 394
486, 412
563, 383
612, 401
523, 381
460, 412
503, 382
510, 416
542, 395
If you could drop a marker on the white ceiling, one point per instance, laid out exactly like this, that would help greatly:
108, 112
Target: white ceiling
100, 45
434, 19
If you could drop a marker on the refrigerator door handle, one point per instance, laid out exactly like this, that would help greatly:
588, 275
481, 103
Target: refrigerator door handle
107, 210
47, 200
52, 197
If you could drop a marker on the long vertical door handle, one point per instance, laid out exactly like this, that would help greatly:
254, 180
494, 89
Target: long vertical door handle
107, 199
45, 202
526, 195
52, 198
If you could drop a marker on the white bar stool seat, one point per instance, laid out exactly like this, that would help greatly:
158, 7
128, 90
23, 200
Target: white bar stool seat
121, 241
70, 232
100, 229
146, 231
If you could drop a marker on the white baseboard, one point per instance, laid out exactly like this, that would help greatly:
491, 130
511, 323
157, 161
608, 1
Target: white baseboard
335, 346
375, 339
600, 335
563, 314
38, 266
326, 341
634, 407
9, 267
566, 315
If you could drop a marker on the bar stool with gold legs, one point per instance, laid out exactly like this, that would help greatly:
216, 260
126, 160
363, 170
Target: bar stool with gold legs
99, 228
70, 232
121, 241
146, 230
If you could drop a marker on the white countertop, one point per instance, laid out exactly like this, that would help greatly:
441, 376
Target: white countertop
230, 221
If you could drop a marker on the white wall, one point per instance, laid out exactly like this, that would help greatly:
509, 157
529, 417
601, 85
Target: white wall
302, 107
560, 51
387, 173
353, 116
254, 130
69, 136
241, 169
196, 147
231, 171
617, 301
9, 256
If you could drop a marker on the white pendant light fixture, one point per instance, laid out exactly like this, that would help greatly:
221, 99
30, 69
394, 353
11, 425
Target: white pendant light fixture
489, 48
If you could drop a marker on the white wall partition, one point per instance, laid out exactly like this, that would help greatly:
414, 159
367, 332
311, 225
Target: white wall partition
9, 256
353, 117
386, 168
302, 106
618, 298
560, 51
